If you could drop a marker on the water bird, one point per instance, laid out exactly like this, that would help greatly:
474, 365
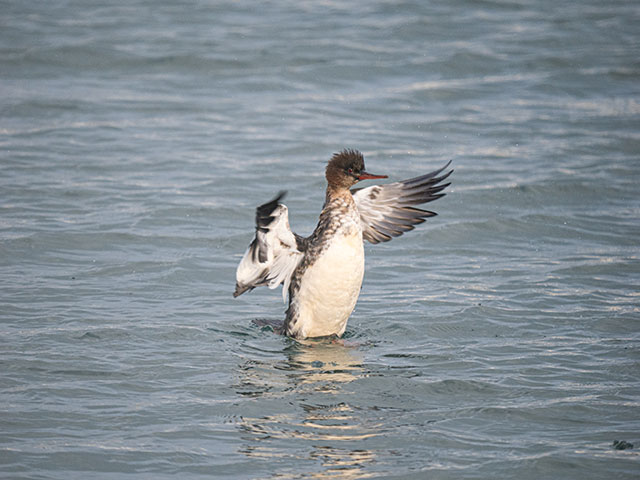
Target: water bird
322, 273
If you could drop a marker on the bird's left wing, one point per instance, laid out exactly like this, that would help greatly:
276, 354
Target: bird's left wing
273, 254
387, 211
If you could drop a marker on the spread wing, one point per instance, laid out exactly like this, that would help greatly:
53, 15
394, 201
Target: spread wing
273, 254
387, 211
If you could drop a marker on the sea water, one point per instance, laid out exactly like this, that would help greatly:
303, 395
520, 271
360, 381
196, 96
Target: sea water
500, 339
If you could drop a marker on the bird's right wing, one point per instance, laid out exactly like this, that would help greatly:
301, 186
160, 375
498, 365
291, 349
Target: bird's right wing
273, 255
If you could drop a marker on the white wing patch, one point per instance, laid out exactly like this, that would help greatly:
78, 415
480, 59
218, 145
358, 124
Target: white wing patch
273, 254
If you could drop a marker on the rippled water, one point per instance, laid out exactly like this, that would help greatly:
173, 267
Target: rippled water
499, 340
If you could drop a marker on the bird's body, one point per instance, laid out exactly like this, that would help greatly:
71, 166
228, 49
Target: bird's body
327, 282
322, 274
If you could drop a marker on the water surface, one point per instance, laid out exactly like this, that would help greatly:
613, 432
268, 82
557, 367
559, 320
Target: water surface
498, 340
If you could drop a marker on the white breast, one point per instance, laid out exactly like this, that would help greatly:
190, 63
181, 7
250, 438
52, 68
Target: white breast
329, 288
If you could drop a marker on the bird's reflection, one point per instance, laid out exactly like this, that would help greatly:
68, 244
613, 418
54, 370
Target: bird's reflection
324, 365
317, 423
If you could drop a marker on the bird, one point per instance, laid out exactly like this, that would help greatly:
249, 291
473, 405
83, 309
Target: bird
322, 274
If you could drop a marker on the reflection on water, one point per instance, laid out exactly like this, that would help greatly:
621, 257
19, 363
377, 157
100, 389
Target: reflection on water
324, 365
312, 386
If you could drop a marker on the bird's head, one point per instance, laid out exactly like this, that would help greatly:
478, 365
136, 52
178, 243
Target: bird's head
346, 169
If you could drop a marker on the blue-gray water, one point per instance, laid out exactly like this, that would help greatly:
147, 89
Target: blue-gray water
498, 340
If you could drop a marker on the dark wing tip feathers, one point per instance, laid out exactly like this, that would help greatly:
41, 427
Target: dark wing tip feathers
426, 181
240, 289
263, 220
264, 211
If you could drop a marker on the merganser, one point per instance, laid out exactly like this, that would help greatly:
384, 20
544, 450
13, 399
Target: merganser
322, 274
